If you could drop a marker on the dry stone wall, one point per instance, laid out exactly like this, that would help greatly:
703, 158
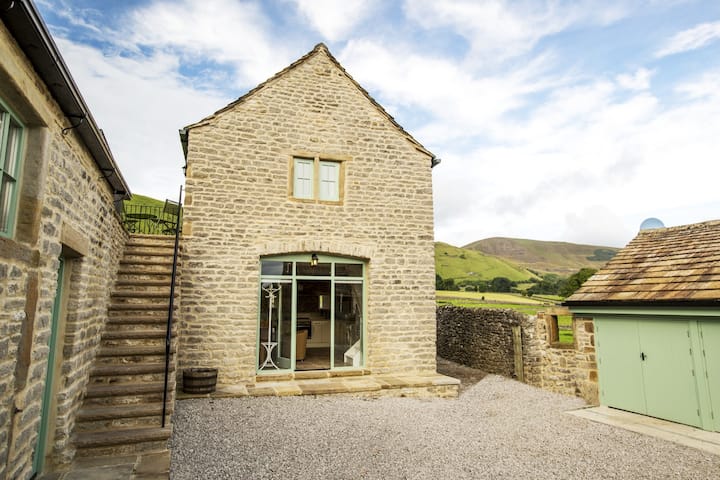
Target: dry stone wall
482, 338
65, 206
239, 208
478, 337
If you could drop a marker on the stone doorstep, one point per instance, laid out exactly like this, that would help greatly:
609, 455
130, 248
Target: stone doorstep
285, 385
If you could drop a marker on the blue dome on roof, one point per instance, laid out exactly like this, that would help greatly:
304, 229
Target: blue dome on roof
651, 223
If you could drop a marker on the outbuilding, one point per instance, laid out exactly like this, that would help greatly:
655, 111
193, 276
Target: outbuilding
656, 311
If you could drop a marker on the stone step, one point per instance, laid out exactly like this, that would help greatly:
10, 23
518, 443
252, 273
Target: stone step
149, 334
105, 412
156, 281
143, 292
145, 271
120, 317
148, 421
135, 350
148, 259
134, 378
152, 260
106, 417
132, 440
150, 251
124, 390
127, 369
150, 240
139, 307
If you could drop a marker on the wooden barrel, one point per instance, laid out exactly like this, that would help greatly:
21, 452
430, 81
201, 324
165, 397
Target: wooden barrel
199, 380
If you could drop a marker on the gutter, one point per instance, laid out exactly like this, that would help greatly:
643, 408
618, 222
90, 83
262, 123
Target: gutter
23, 21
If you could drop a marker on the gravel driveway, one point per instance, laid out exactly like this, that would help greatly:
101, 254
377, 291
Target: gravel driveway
498, 429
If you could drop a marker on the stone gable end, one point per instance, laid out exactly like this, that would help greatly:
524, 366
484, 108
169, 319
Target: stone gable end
239, 207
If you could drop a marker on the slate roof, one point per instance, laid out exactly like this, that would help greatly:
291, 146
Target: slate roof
319, 48
676, 265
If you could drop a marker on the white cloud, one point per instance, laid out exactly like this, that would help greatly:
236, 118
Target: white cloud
335, 19
501, 29
640, 80
140, 103
224, 31
691, 39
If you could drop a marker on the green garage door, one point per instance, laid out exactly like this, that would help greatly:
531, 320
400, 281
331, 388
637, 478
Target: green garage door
646, 366
710, 338
620, 371
668, 373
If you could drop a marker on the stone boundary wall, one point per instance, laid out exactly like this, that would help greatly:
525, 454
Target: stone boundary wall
482, 338
478, 337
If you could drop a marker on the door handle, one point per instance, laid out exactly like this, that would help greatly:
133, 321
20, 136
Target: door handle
643, 356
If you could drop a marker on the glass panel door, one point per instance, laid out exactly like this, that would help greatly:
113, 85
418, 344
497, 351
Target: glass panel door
348, 348
313, 317
275, 321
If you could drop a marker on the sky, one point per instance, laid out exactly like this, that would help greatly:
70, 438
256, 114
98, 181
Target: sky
555, 120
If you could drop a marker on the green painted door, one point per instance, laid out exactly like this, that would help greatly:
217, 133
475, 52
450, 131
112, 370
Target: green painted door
619, 368
47, 402
710, 337
668, 371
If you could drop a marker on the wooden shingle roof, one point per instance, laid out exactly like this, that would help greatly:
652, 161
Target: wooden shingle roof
676, 265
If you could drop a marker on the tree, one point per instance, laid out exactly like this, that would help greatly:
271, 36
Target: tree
501, 284
575, 280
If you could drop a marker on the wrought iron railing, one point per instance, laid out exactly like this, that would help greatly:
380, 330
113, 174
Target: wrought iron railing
177, 208
151, 220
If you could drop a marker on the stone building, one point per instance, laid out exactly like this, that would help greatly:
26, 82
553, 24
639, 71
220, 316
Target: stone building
656, 312
59, 237
307, 234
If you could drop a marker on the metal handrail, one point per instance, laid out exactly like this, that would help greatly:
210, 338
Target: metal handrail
149, 219
172, 304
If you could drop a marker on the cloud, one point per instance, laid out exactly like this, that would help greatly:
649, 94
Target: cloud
691, 39
335, 20
140, 103
225, 31
498, 30
640, 80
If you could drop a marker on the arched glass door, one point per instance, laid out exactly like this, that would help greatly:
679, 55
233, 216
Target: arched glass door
311, 314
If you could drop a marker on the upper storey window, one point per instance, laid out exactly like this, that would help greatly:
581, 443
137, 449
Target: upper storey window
318, 179
10, 143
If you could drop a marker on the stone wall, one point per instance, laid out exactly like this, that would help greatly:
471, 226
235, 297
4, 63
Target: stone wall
564, 368
482, 338
65, 206
239, 207
478, 337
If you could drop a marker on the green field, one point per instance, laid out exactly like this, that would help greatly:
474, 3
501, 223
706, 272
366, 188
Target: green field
462, 264
528, 306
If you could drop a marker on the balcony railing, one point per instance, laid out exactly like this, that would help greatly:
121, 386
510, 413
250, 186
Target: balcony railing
151, 220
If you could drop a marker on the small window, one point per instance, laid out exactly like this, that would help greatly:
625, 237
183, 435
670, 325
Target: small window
317, 179
329, 181
10, 142
303, 181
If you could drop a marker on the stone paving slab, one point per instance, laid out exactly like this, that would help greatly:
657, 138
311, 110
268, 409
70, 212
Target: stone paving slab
654, 427
146, 466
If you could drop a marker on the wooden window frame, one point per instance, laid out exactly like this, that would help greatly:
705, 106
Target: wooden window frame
7, 118
317, 160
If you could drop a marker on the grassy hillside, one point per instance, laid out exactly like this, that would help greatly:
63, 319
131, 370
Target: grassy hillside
144, 201
555, 257
464, 264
